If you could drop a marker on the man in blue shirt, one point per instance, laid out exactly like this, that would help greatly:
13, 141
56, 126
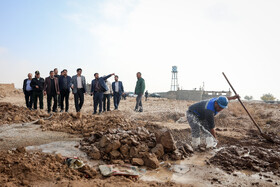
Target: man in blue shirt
201, 119
27, 89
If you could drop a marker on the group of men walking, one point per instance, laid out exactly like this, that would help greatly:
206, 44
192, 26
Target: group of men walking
58, 88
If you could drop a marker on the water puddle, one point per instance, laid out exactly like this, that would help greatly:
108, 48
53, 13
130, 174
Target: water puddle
66, 149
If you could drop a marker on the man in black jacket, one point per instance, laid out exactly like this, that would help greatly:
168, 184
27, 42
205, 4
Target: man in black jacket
64, 87
98, 87
37, 85
27, 90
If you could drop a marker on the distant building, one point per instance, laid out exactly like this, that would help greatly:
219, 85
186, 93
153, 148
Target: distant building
193, 95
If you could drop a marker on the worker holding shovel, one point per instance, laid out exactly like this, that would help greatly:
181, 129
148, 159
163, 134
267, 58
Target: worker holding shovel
201, 119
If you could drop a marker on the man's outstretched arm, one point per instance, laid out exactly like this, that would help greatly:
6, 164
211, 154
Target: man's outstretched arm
233, 97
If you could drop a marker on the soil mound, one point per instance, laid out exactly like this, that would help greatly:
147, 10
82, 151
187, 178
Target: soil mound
23, 168
88, 124
15, 114
252, 158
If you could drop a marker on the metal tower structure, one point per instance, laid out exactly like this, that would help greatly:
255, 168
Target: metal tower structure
174, 79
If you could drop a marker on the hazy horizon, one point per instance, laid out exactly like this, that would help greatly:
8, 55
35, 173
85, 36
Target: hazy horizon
203, 38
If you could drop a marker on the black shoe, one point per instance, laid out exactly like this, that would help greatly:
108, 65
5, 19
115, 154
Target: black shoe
141, 110
61, 110
99, 113
66, 111
94, 113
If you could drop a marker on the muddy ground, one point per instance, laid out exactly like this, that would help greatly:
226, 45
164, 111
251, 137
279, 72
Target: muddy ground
242, 157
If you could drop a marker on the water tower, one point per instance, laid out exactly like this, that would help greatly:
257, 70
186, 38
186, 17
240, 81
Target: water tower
174, 79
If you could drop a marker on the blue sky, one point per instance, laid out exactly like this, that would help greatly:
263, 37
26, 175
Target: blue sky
203, 38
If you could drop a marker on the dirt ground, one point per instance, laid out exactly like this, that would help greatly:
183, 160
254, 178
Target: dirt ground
242, 157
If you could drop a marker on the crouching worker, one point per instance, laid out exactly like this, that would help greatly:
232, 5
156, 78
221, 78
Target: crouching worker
201, 119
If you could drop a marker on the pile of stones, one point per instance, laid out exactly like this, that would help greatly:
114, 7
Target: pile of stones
137, 146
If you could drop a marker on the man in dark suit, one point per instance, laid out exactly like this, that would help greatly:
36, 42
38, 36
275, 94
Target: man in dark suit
27, 90
64, 87
51, 88
79, 89
37, 85
98, 87
117, 91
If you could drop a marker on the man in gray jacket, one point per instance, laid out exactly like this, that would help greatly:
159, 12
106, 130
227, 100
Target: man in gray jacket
79, 88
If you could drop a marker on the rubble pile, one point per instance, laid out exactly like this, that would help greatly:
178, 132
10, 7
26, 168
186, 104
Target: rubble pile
10, 113
254, 158
86, 124
138, 147
19, 167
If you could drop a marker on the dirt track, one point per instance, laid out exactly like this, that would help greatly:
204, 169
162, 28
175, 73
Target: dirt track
241, 152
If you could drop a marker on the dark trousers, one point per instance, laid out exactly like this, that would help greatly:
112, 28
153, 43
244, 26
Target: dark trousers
64, 94
117, 98
79, 99
37, 95
97, 100
139, 103
28, 98
59, 99
108, 98
49, 101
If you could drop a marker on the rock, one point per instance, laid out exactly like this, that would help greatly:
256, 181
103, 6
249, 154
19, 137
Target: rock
104, 141
125, 150
115, 154
109, 148
151, 161
167, 141
188, 148
134, 142
137, 162
158, 150
133, 152
176, 155
116, 144
94, 153
151, 144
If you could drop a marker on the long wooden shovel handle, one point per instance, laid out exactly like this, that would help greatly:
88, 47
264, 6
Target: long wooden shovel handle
255, 123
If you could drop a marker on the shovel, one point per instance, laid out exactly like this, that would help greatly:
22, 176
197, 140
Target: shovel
265, 136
